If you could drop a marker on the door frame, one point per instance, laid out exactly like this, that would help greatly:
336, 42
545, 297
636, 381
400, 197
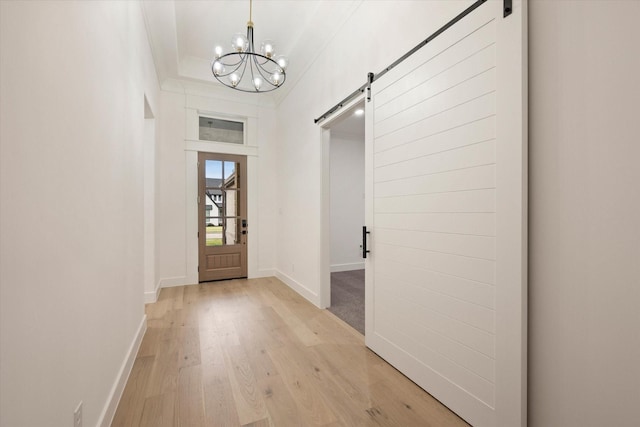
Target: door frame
325, 200
151, 284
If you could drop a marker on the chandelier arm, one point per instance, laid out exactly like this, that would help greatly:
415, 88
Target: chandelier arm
261, 72
252, 59
265, 74
233, 70
258, 67
229, 55
244, 69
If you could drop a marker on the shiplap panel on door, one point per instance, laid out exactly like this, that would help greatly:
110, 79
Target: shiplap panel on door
433, 189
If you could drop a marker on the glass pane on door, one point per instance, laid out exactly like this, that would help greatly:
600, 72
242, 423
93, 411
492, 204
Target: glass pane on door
214, 231
230, 178
213, 183
231, 234
229, 203
222, 208
222, 231
213, 170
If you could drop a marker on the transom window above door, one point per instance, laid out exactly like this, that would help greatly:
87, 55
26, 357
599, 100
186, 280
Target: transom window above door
219, 130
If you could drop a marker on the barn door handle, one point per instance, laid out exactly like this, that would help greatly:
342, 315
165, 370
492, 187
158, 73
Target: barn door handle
507, 8
365, 251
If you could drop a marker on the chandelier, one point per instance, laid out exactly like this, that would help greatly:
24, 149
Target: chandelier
246, 70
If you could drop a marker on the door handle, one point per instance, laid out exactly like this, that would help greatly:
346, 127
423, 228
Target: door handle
365, 251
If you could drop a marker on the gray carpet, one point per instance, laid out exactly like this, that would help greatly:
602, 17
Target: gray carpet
347, 297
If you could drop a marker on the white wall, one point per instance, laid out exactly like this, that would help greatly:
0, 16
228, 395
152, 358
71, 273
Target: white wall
374, 36
171, 195
73, 78
177, 180
347, 201
584, 285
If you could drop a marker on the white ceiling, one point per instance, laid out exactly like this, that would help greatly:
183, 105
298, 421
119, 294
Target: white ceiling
183, 33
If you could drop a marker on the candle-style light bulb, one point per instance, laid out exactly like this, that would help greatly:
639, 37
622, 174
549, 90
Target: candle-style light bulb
217, 52
218, 68
267, 48
240, 43
276, 78
282, 61
234, 79
257, 82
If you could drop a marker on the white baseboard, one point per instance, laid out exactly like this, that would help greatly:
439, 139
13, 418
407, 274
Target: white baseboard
170, 282
118, 387
335, 268
268, 272
299, 288
152, 296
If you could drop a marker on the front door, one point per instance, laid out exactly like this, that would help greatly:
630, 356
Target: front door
222, 213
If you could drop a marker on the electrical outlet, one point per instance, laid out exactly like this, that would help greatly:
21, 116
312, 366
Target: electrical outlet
77, 416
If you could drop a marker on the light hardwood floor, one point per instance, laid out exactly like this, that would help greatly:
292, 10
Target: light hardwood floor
255, 353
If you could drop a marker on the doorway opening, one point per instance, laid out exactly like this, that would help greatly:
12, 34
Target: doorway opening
345, 169
222, 216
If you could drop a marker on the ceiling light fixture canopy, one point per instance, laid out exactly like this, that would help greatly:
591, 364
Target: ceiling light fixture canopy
246, 70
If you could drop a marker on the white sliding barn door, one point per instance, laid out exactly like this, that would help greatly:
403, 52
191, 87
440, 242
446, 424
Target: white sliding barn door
446, 207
